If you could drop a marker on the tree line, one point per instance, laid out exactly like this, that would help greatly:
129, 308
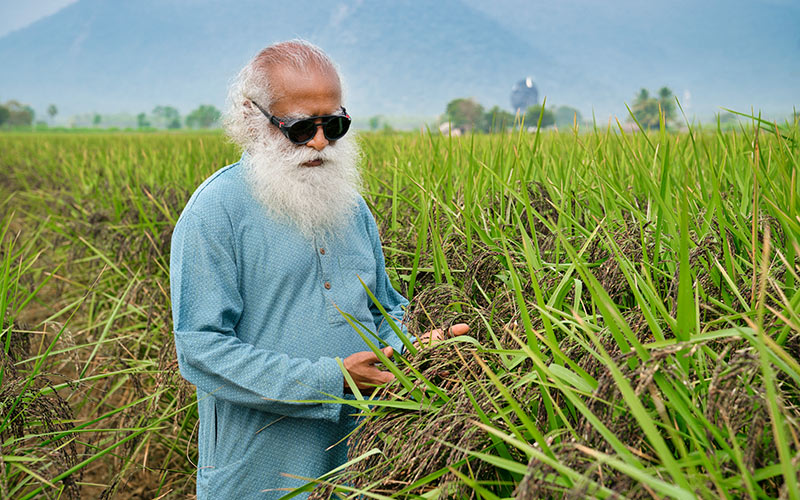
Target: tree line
14, 114
649, 109
205, 116
467, 114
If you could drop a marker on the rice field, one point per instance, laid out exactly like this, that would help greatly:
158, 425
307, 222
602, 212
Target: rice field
633, 302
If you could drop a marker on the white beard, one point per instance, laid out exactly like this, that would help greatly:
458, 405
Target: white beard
317, 200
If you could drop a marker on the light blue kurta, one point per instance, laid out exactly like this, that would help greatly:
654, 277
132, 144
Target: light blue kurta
256, 327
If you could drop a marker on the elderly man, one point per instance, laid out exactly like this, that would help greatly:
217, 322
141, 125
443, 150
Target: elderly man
264, 255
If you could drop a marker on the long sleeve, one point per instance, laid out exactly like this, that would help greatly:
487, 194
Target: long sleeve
392, 301
207, 306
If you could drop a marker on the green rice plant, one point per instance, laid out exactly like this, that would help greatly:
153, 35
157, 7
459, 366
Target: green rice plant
633, 302
30, 413
633, 320
105, 206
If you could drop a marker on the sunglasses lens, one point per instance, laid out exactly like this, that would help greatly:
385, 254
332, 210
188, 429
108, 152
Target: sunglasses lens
336, 128
333, 127
302, 131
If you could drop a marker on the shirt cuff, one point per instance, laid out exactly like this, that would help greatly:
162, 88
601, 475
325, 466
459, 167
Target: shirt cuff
331, 382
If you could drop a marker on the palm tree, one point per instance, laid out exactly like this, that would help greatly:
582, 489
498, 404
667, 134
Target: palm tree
52, 110
667, 101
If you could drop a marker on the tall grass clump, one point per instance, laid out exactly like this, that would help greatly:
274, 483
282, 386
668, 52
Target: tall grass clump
632, 298
93, 404
634, 310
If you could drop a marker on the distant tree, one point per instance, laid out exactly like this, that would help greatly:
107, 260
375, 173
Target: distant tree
141, 121
533, 113
204, 116
567, 116
31, 113
167, 117
374, 122
498, 120
97, 119
4, 114
466, 114
19, 115
646, 108
646, 113
667, 101
726, 121
52, 111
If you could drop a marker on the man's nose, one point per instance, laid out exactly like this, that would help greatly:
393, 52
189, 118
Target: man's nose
319, 141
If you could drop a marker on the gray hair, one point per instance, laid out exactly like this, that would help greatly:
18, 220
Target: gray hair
245, 124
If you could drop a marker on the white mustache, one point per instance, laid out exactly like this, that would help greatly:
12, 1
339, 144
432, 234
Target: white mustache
300, 154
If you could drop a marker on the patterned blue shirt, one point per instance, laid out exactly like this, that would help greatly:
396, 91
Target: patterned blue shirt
256, 327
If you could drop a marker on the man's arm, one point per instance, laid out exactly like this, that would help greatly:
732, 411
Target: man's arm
206, 308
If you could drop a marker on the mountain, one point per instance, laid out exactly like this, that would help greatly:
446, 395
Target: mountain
400, 58
410, 57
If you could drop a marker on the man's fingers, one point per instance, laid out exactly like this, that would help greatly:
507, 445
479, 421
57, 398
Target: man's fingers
433, 336
374, 375
370, 357
362, 368
366, 357
459, 329
437, 334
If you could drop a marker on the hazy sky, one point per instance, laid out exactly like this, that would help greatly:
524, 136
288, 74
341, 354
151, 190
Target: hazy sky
16, 14
591, 54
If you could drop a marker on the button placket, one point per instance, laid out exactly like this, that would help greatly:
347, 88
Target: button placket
323, 264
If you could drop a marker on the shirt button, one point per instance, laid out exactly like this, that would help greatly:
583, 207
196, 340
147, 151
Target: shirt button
322, 251
327, 285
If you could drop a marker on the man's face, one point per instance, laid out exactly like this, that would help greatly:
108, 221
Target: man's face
314, 185
301, 94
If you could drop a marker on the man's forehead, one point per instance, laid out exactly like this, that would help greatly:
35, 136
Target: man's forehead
310, 91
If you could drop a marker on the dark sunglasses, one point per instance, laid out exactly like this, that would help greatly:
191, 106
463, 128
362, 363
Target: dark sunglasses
302, 130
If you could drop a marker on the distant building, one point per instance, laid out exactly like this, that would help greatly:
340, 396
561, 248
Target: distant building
524, 94
447, 128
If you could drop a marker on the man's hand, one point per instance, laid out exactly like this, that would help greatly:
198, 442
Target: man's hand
362, 369
427, 339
